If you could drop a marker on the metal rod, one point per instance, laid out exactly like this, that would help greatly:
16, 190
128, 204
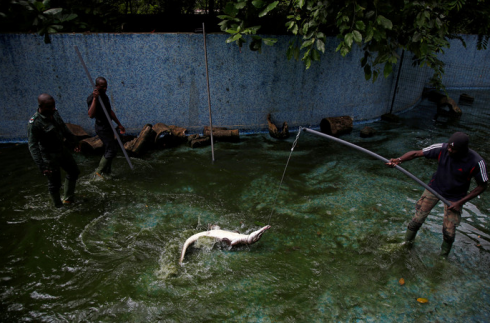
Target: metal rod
380, 158
104, 108
397, 79
209, 94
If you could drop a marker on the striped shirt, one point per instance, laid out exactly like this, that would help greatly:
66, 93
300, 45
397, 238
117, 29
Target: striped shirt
453, 175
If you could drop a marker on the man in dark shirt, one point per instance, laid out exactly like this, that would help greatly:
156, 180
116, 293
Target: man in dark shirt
457, 164
46, 132
103, 127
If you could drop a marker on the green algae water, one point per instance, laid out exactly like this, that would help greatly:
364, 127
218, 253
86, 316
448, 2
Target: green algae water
333, 253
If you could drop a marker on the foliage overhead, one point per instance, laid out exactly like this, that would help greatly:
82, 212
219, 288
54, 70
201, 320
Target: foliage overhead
380, 28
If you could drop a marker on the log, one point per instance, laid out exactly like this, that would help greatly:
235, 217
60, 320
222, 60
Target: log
336, 126
223, 134
448, 107
367, 132
196, 141
466, 99
162, 135
78, 131
274, 132
169, 136
91, 145
142, 143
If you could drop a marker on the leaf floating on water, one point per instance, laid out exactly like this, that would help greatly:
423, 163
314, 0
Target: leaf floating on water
422, 300
401, 281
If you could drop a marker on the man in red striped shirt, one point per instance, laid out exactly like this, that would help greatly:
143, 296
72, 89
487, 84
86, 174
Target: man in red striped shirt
457, 164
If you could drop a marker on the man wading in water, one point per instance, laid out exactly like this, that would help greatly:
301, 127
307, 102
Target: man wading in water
103, 127
46, 133
457, 164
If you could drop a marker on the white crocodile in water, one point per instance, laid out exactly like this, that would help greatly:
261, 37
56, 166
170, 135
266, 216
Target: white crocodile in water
231, 238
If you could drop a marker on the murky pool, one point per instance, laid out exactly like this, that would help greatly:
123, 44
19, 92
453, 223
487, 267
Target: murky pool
333, 253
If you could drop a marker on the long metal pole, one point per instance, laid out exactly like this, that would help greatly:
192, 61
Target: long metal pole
104, 108
209, 94
380, 158
397, 79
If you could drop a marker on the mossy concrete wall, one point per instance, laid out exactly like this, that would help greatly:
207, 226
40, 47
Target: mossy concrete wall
162, 78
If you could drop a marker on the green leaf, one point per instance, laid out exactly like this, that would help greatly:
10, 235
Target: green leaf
241, 5
349, 38
369, 14
315, 55
308, 62
53, 11
269, 8
295, 29
301, 3
230, 9
369, 34
258, 3
420, 20
70, 17
296, 53
386, 23
231, 31
387, 70
367, 72
307, 43
269, 41
416, 37
375, 76
360, 25
363, 61
320, 45
344, 51
357, 36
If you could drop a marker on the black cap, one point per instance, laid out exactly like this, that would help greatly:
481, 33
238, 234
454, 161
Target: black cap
459, 141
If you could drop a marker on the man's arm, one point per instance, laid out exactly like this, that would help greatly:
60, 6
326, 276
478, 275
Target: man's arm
405, 157
458, 206
93, 106
33, 144
113, 117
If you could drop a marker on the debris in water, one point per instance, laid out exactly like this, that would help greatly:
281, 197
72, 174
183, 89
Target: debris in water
401, 281
422, 300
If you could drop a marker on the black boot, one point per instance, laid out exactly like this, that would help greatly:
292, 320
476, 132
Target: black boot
445, 248
55, 197
69, 191
410, 236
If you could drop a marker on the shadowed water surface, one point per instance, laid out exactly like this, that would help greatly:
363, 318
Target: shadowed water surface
333, 253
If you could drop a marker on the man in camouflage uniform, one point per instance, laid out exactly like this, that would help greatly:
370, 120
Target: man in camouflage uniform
46, 132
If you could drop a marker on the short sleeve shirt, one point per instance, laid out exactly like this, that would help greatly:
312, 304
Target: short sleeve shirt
453, 175
100, 118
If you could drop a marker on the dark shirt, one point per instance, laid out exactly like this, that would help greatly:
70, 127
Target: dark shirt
46, 137
453, 175
100, 118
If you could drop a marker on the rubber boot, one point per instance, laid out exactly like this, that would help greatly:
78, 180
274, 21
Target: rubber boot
108, 167
445, 248
410, 236
55, 197
102, 166
69, 189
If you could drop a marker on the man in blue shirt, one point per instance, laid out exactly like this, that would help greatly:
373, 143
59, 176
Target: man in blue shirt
457, 164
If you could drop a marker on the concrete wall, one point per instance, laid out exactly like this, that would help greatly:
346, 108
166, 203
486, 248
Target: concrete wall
162, 78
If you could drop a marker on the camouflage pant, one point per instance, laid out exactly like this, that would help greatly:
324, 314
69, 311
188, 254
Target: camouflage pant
422, 209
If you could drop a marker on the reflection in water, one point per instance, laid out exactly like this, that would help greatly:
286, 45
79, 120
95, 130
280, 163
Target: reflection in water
334, 251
